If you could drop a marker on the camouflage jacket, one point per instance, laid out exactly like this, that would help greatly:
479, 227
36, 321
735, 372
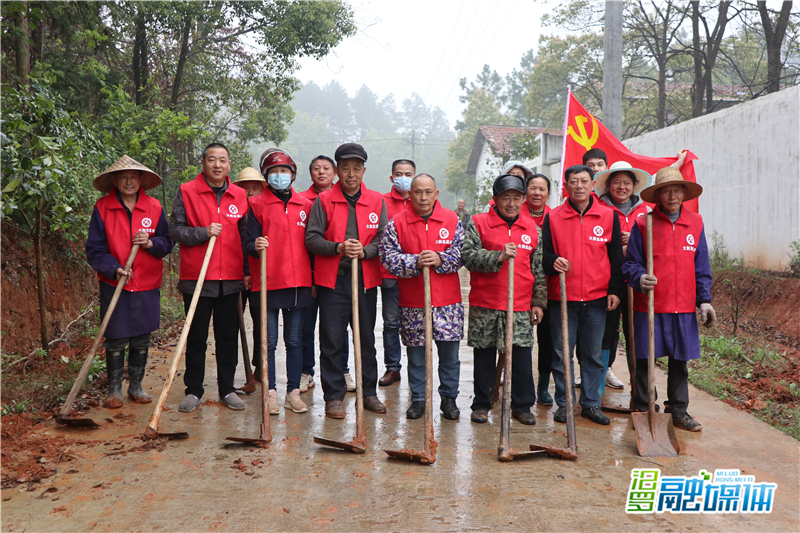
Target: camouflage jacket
486, 327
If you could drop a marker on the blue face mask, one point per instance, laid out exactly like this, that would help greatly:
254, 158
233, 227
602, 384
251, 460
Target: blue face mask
279, 181
402, 184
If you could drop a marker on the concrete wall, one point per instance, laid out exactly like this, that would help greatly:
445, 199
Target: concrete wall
749, 168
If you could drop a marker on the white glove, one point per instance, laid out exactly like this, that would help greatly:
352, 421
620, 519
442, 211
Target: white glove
647, 282
707, 315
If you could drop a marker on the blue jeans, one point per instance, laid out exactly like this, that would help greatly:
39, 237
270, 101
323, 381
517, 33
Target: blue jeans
292, 339
309, 334
587, 321
449, 370
390, 303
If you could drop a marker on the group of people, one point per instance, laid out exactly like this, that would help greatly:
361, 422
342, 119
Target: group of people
313, 239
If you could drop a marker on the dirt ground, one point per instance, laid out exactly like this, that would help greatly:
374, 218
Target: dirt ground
111, 480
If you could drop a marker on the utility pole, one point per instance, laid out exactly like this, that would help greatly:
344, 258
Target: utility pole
612, 68
412, 145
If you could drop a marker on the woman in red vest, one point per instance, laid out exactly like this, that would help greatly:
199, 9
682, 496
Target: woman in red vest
124, 217
618, 188
536, 196
277, 220
491, 239
681, 282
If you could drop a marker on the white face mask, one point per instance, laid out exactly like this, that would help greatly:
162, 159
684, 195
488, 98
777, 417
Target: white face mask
279, 181
402, 184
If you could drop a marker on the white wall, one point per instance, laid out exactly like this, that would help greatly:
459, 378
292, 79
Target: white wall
749, 168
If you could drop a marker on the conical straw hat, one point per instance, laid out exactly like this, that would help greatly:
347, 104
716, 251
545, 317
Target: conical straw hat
150, 179
671, 176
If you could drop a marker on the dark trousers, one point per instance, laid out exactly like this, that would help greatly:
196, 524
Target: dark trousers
390, 309
335, 312
545, 342
523, 393
138, 342
611, 334
224, 309
677, 386
309, 333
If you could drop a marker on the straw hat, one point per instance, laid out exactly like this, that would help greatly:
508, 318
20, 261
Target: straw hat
249, 174
671, 176
643, 179
104, 183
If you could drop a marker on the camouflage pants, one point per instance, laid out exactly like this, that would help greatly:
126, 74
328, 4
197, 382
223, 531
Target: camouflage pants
487, 328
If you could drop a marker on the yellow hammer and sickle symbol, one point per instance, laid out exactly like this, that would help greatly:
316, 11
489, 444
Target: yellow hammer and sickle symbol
583, 139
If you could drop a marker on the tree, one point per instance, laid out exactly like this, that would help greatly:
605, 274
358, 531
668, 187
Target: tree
774, 34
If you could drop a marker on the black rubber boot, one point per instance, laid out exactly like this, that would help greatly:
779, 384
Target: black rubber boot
137, 361
544, 397
115, 366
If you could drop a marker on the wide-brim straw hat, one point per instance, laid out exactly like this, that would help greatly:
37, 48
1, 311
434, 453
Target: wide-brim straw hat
250, 174
671, 176
643, 179
104, 183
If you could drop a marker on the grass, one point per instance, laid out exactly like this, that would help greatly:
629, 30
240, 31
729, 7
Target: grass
727, 361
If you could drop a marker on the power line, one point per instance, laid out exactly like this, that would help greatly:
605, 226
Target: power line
444, 53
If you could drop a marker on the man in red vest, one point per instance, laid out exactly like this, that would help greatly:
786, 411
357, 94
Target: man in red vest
491, 239
323, 171
396, 201
347, 222
209, 206
582, 238
427, 235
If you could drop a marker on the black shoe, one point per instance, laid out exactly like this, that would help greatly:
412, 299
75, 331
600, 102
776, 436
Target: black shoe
416, 410
449, 408
524, 417
480, 416
560, 415
595, 415
685, 421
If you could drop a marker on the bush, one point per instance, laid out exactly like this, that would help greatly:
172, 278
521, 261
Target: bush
794, 259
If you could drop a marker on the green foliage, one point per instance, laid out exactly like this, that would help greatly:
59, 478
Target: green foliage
718, 255
15, 407
794, 259
46, 155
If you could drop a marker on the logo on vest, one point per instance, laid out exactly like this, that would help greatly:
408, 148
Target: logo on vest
443, 233
233, 212
303, 216
373, 218
526, 239
690, 242
526, 242
146, 222
598, 232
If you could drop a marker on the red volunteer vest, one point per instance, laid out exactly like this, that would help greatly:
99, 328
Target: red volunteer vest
627, 222
288, 263
201, 207
490, 290
310, 194
583, 244
415, 235
394, 204
538, 220
674, 250
119, 235
368, 214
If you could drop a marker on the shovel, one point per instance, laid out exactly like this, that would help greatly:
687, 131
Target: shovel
619, 408
63, 416
571, 451
504, 451
655, 434
428, 455
266, 435
250, 383
359, 444
152, 428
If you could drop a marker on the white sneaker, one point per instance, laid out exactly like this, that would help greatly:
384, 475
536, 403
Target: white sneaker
613, 381
578, 381
348, 380
274, 408
304, 382
293, 402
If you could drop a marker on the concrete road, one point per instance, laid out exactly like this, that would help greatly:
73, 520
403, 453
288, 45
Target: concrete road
206, 484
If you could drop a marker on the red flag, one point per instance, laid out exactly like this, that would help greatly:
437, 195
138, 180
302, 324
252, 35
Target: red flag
582, 131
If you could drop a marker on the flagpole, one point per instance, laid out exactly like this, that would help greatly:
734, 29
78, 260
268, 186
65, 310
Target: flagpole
564, 146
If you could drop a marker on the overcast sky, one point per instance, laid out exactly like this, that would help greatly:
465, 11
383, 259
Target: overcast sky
426, 46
